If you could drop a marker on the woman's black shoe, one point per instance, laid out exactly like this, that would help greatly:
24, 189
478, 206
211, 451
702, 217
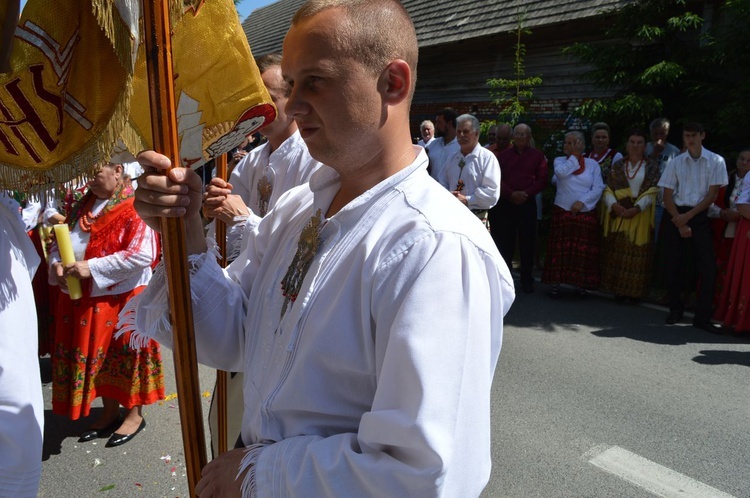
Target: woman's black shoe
120, 439
92, 434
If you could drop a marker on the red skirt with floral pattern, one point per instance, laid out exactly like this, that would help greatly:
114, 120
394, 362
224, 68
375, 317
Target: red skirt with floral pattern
89, 362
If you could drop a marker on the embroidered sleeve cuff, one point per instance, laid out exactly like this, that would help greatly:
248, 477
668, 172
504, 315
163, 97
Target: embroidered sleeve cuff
609, 200
146, 316
248, 488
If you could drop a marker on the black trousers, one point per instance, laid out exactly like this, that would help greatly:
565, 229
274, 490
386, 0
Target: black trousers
705, 262
510, 222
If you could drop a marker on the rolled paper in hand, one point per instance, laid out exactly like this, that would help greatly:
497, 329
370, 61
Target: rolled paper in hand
62, 234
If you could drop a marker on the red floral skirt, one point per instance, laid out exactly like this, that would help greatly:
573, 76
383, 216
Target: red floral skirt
573, 249
733, 309
89, 362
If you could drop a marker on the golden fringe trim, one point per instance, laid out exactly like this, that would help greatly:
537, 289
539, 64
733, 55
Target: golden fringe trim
177, 8
116, 31
80, 165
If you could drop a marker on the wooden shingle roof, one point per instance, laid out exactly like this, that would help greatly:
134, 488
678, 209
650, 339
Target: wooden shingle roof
438, 21
266, 27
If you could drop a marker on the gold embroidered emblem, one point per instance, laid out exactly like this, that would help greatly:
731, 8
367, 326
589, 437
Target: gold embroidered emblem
460, 185
265, 187
307, 248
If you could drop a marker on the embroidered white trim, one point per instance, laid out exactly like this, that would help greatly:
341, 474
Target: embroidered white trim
157, 297
248, 489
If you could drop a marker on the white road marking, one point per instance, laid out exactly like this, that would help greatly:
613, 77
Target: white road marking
648, 475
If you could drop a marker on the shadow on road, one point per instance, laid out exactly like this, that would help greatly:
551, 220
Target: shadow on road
716, 357
668, 335
57, 428
609, 319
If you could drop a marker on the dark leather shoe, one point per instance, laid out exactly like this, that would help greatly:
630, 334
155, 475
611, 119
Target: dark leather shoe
673, 317
527, 287
709, 327
92, 434
120, 439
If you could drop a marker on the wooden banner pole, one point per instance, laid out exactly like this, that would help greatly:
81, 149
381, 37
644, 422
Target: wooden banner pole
221, 376
158, 44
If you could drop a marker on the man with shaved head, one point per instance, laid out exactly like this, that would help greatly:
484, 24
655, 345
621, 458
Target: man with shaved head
354, 384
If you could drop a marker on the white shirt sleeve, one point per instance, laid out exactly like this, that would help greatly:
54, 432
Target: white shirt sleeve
669, 177
644, 202
31, 213
592, 196
714, 211
609, 199
719, 175
443, 178
486, 195
565, 166
112, 269
219, 301
744, 195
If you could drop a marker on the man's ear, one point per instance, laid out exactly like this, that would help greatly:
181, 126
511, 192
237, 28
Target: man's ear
395, 82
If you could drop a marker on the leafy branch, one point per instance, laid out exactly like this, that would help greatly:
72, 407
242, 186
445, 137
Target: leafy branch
511, 95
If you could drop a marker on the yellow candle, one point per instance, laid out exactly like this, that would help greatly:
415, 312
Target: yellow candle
62, 234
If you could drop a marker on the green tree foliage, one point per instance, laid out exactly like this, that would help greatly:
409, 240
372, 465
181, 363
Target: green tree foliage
511, 95
682, 59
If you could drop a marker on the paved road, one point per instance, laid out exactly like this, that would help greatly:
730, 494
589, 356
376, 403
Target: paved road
591, 398
577, 378
151, 465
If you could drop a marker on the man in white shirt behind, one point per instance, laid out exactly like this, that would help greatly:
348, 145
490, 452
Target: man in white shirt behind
445, 145
691, 182
472, 174
266, 172
354, 384
255, 185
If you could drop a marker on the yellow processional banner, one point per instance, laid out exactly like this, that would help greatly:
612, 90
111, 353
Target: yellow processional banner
77, 92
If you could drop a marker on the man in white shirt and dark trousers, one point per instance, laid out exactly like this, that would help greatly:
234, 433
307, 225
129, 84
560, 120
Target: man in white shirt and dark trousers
691, 182
472, 174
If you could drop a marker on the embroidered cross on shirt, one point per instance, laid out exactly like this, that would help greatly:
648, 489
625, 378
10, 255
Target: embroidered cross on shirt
460, 185
307, 248
265, 187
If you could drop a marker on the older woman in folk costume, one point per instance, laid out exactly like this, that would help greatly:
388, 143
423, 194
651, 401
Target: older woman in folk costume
734, 305
114, 253
573, 246
629, 201
600, 151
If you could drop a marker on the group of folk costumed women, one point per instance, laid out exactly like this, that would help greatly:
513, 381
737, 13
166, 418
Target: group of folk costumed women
622, 243
614, 250
114, 252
